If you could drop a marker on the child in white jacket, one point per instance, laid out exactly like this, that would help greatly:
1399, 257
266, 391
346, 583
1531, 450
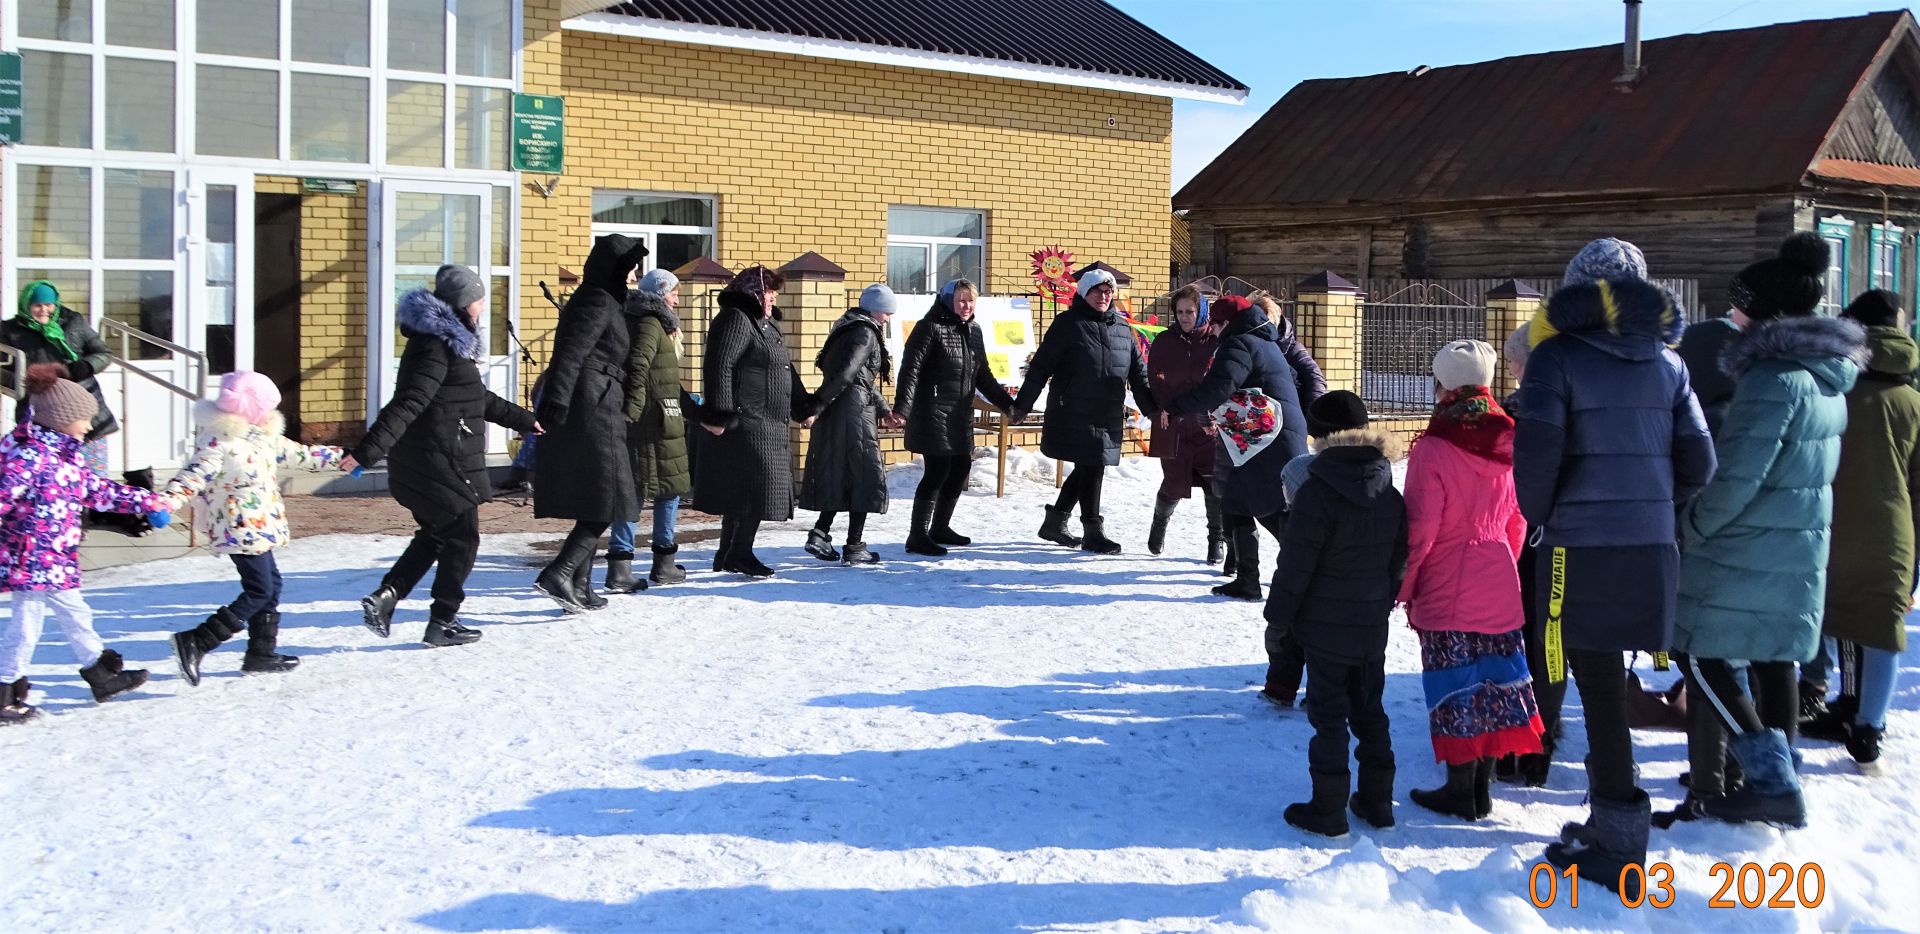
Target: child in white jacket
234, 483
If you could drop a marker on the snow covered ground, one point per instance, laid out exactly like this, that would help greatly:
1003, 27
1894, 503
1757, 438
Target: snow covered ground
1015, 738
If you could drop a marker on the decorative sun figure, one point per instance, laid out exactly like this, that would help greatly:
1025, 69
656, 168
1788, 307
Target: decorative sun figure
1052, 269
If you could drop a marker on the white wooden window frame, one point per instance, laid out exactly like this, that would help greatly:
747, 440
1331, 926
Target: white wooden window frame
1840, 228
649, 233
932, 244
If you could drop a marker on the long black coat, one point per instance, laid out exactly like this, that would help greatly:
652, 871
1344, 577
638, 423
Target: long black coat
1249, 356
752, 391
1092, 359
432, 432
85, 341
584, 471
943, 364
1345, 549
845, 470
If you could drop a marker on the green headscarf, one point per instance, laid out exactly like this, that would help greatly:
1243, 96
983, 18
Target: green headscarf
51, 330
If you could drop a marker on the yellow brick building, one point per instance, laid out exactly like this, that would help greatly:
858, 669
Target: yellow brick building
255, 183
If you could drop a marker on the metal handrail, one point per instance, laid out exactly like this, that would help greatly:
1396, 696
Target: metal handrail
197, 361
16, 384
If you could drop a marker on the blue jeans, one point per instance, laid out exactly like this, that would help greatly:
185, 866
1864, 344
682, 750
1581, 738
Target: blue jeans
1869, 674
259, 585
666, 514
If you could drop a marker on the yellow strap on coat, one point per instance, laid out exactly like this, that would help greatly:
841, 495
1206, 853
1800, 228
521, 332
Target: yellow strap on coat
1556, 599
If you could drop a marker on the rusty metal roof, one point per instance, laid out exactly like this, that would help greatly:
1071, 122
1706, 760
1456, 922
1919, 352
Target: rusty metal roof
1739, 110
1867, 173
1077, 35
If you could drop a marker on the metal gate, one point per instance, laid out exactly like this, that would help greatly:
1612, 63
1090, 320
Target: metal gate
1400, 334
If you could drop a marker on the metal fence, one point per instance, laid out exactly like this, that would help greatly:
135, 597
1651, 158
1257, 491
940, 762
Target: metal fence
1400, 333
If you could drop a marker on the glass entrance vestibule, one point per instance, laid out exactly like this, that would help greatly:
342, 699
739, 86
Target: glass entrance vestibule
250, 184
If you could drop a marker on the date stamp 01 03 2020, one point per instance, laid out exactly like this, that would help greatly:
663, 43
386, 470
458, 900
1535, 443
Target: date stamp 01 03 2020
1742, 886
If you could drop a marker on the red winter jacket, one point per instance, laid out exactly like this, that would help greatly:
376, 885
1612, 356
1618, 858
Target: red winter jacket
1464, 531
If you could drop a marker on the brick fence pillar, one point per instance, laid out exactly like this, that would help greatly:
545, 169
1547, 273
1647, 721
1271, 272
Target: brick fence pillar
814, 296
1327, 319
1509, 304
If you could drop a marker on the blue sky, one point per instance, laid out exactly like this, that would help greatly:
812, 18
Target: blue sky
1271, 45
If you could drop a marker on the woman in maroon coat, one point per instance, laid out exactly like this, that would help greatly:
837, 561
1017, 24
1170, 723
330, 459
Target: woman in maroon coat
1185, 446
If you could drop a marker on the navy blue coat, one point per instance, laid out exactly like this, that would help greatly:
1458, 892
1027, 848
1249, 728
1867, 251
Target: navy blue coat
1609, 441
1250, 355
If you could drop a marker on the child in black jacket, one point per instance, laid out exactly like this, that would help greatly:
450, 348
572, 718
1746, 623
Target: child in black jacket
1341, 562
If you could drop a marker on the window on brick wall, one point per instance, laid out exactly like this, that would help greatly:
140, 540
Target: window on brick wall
676, 228
927, 247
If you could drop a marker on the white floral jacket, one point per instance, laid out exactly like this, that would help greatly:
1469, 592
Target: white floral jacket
234, 480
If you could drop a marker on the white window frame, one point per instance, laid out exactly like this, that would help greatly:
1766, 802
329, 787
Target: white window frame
1890, 237
1836, 229
649, 233
932, 244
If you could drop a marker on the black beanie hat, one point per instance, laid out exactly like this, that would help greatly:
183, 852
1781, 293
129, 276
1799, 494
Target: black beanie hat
1338, 410
1875, 308
1787, 285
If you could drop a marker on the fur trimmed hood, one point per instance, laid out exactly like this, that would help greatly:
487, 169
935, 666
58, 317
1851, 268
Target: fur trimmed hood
642, 305
1628, 318
422, 313
1372, 436
228, 427
1834, 350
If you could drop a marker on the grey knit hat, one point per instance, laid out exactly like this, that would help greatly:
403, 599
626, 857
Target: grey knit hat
658, 282
458, 286
57, 401
878, 299
1605, 259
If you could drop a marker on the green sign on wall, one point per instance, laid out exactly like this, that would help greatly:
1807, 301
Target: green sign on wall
11, 119
539, 133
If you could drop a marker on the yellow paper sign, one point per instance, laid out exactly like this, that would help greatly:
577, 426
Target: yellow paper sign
1002, 368
1010, 333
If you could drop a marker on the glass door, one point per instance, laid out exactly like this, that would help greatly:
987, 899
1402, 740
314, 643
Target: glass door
422, 226
220, 228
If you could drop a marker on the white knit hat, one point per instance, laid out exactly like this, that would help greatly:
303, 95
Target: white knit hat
1464, 363
1091, 278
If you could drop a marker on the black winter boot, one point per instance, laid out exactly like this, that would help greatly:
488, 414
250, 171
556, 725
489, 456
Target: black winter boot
583, 585
442, 633
1373, 800
1456, 797
724, 544
664, 570
1326, 814
1246, 566
1216, 530
1833, 723
191, 646
941, 530
13, 703
857, 553
1863, 744
1614, 836
376, 610
1483, 788
1813, 703
920, 539
1054, 529
1534, 766
1229, 561
620, 577
1157, 533
820, 545
1093, 530
740, 556
263, 643
558, 580
109, 676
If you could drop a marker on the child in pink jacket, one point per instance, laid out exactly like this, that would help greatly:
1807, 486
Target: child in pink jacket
1462, 587
46, 488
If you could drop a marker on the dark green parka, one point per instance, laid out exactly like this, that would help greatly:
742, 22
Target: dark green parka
656, 431
1870, 573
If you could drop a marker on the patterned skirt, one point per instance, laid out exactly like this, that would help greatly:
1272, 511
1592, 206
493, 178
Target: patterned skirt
1479, 695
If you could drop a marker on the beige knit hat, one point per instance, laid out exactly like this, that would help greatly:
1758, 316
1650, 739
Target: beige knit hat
1464, 363
57, 401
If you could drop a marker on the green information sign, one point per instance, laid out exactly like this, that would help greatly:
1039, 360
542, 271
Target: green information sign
539, 133
12, 124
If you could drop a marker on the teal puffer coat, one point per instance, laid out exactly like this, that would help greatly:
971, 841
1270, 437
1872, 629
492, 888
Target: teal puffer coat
1753, 562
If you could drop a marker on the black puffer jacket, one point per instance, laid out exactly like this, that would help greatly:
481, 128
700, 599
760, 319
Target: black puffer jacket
433, 432
584, 471
1308, 378
752, 391
944, 363
85, 341
845, 471
1345, 549
1092, 359
1250, 357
